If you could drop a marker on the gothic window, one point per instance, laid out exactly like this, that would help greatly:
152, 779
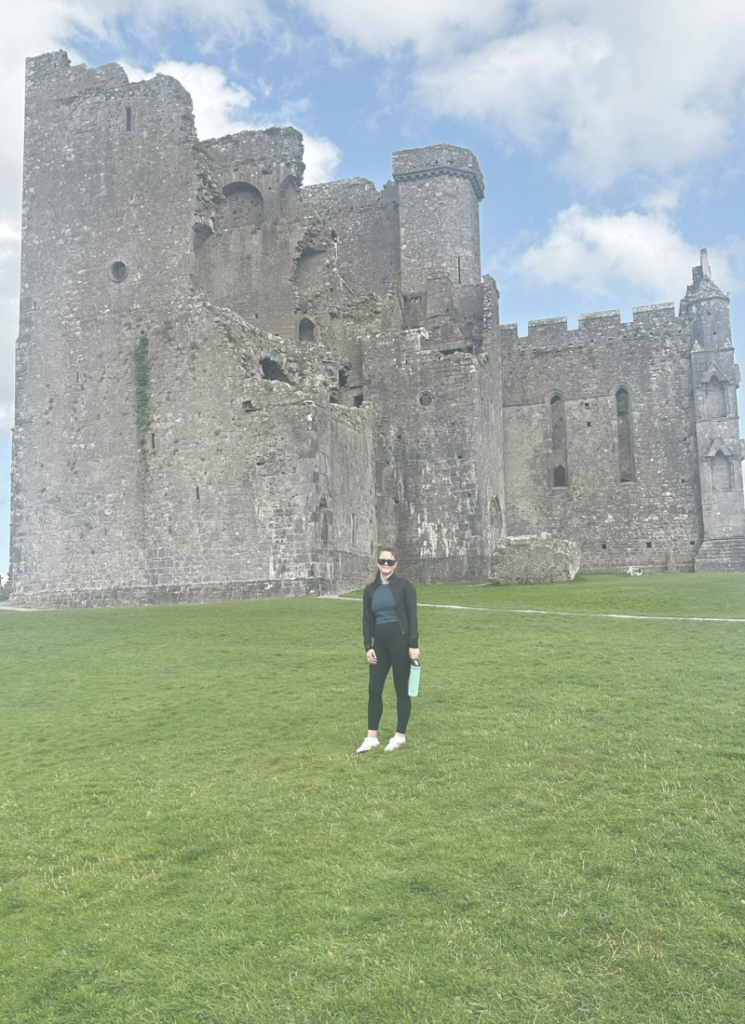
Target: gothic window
245, 205
306, 330
721, 477
625, 440
325, 518
558, 442
288, 194
495, 511
716, 399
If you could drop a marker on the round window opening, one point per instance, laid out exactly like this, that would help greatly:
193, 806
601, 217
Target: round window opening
118, 271
426, 398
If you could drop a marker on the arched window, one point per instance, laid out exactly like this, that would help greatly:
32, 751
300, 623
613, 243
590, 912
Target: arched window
288, 194
495, 517
306, 330
721, 475
716, 399
245, 205
627, 472
325, 518
558, 442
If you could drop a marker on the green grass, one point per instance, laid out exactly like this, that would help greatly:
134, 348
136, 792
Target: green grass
186, 834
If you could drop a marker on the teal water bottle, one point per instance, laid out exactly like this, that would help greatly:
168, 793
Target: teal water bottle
414, 673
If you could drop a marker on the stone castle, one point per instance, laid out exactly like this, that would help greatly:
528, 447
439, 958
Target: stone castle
230, 385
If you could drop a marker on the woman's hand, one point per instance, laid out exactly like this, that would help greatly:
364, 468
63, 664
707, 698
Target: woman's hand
372, 657
413, 654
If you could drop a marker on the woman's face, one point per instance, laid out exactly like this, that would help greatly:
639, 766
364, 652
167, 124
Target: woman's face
386, 570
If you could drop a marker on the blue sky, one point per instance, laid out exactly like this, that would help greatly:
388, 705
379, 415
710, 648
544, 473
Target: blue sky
610, 136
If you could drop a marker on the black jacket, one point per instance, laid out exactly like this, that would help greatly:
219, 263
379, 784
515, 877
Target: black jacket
404, 595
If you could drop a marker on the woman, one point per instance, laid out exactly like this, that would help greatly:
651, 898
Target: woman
391, 633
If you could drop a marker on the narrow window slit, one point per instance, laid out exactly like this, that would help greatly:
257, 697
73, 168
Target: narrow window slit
626, 467
558, 442
128, 118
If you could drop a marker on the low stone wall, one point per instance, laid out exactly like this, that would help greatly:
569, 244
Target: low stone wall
204, 593
535, 559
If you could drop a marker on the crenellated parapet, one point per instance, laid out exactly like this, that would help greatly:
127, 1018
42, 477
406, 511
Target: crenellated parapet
660, 313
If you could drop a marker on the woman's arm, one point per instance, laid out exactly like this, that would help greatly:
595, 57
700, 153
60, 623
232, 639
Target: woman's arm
411, 614
367, 620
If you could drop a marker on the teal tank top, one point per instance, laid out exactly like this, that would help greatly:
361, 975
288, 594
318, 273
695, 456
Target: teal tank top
384, 605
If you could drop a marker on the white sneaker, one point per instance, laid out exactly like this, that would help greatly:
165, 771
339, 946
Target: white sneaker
395, 742
367, 744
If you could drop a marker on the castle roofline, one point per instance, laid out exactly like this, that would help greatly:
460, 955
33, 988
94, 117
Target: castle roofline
557, 327
433, 161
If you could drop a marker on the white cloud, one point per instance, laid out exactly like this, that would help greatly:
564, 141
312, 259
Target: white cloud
321, 159
387, 25
604, 87
221, 108
593, 253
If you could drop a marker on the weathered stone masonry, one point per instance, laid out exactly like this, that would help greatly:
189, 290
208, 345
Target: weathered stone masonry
229, 385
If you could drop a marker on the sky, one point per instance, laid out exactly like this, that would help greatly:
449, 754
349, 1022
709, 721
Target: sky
610, 135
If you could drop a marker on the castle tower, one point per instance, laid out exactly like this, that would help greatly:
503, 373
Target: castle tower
167, 447
439, 189
108, 208
716, 378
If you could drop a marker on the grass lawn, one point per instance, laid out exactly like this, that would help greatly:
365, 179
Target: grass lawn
186, 833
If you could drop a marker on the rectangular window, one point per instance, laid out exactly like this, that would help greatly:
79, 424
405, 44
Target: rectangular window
128, 118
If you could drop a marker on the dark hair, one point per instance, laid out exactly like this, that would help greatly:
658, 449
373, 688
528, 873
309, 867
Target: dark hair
381, 548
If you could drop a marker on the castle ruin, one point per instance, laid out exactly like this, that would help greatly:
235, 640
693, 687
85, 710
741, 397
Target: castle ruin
231, 385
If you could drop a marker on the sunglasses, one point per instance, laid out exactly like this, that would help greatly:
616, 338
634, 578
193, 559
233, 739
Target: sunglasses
386, 561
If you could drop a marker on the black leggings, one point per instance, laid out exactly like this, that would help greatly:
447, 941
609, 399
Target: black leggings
392, 649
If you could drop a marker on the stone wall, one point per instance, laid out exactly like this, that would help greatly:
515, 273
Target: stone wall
363, 225
654, 518
434, 487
